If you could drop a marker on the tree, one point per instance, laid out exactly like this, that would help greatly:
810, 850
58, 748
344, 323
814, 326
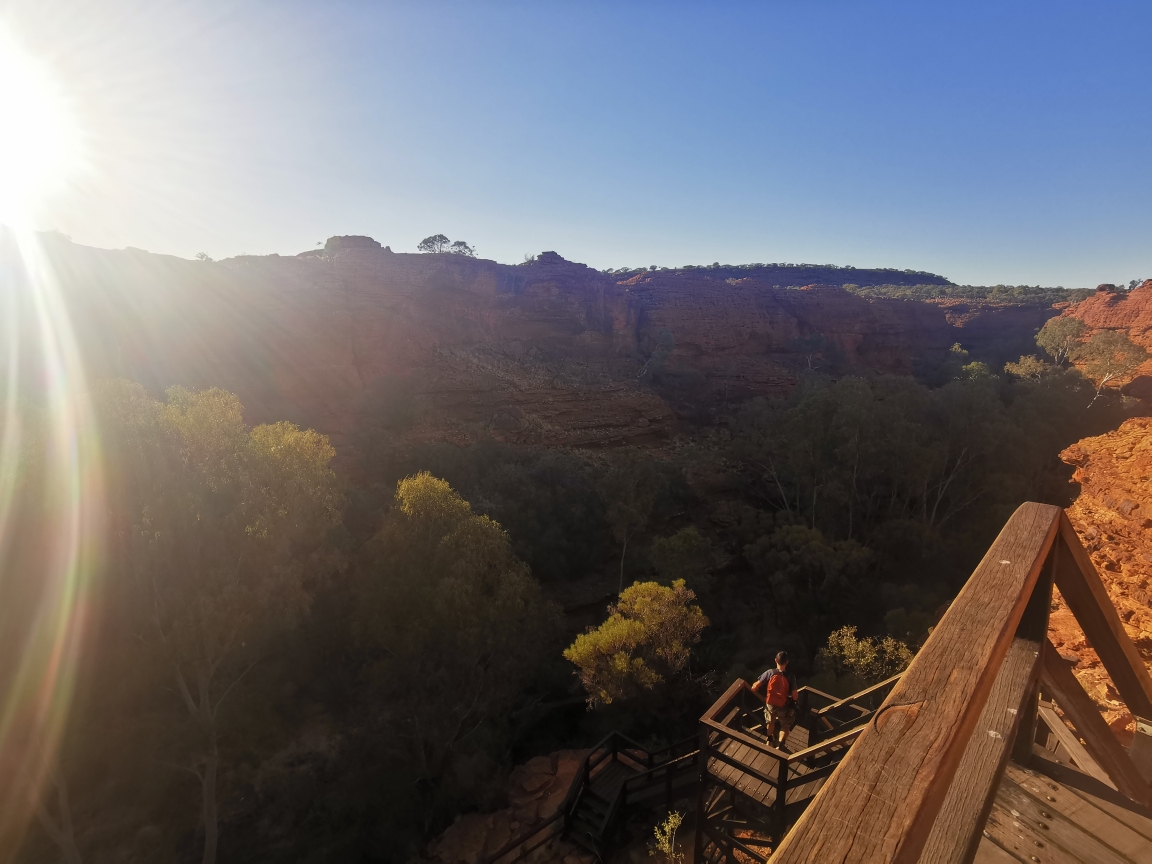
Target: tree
435, 243
1060, 338
220, 530
459, 247
811, 582
1029, 367
646, 640
867, 659
1110, 355
629, 490
453, 621
684, 556
59, 828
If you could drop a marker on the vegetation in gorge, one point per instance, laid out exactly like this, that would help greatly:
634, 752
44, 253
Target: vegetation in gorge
358, 661
855, 663
646, 641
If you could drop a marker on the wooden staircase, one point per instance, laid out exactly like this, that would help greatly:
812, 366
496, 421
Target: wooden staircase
738, 783
616, 778
751, 791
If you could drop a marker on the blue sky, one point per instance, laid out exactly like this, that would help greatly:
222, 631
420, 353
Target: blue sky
990, 142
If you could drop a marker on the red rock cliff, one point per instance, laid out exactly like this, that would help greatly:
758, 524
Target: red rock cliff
548, 352
1113, 517
1129, 312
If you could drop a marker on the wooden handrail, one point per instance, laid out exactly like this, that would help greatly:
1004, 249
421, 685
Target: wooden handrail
604, 750
856, 697
747, 740
521, 839
725, 702
837, 741
820, 693
881, 804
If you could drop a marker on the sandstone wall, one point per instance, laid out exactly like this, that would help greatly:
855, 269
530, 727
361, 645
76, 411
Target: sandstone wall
1113, 517
1129, 312
444, 347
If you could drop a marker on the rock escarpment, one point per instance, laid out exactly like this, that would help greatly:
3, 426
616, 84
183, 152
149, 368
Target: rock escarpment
1113, 517
354, 337
1128, 312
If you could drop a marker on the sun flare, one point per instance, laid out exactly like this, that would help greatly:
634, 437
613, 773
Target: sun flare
40, 146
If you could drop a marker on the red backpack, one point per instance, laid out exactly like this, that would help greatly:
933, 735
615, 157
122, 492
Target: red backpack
778, 689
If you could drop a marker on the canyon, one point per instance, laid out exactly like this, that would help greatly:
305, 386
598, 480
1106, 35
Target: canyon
354, 337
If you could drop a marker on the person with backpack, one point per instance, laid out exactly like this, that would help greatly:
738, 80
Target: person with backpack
779, 688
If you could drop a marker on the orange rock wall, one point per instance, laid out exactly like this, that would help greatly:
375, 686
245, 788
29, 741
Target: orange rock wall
1129, 312
1113, 517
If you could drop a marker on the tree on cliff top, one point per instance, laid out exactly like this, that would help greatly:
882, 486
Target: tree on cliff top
440, 243
434, 243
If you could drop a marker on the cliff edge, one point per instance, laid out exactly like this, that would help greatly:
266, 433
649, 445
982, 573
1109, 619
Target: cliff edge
1113, 517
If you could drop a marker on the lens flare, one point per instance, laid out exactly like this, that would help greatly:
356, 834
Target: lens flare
40, 146
51, 503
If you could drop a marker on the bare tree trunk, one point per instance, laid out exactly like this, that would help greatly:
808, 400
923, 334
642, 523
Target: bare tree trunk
63, 834
211, 821
623, 552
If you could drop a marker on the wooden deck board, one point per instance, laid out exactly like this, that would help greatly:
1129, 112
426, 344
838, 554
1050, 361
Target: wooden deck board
1055, 827
1022, 841
1060, 815
1083, 812
989, 853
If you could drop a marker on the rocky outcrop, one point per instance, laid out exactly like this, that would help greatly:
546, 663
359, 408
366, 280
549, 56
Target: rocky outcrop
1113, 518
353, 337
1129, 312
536, 791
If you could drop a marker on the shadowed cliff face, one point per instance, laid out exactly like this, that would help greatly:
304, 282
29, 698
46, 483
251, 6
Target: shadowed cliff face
442, 346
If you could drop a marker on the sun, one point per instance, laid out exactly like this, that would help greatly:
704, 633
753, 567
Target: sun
40, 144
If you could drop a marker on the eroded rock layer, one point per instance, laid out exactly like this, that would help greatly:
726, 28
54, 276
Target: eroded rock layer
1113, 517
354, 337
1128, 312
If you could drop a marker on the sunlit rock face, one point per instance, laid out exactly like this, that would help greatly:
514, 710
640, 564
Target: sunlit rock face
1113, 517
352, 336
1129, 312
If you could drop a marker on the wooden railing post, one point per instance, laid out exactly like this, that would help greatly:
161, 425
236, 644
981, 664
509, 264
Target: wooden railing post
913, 745
701, 816
1080, 585
1099, 741
781, 790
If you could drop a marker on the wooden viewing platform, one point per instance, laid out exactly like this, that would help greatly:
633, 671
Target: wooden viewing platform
951, 767
964, 757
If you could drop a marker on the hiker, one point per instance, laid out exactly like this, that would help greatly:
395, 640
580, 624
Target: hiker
779, 688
